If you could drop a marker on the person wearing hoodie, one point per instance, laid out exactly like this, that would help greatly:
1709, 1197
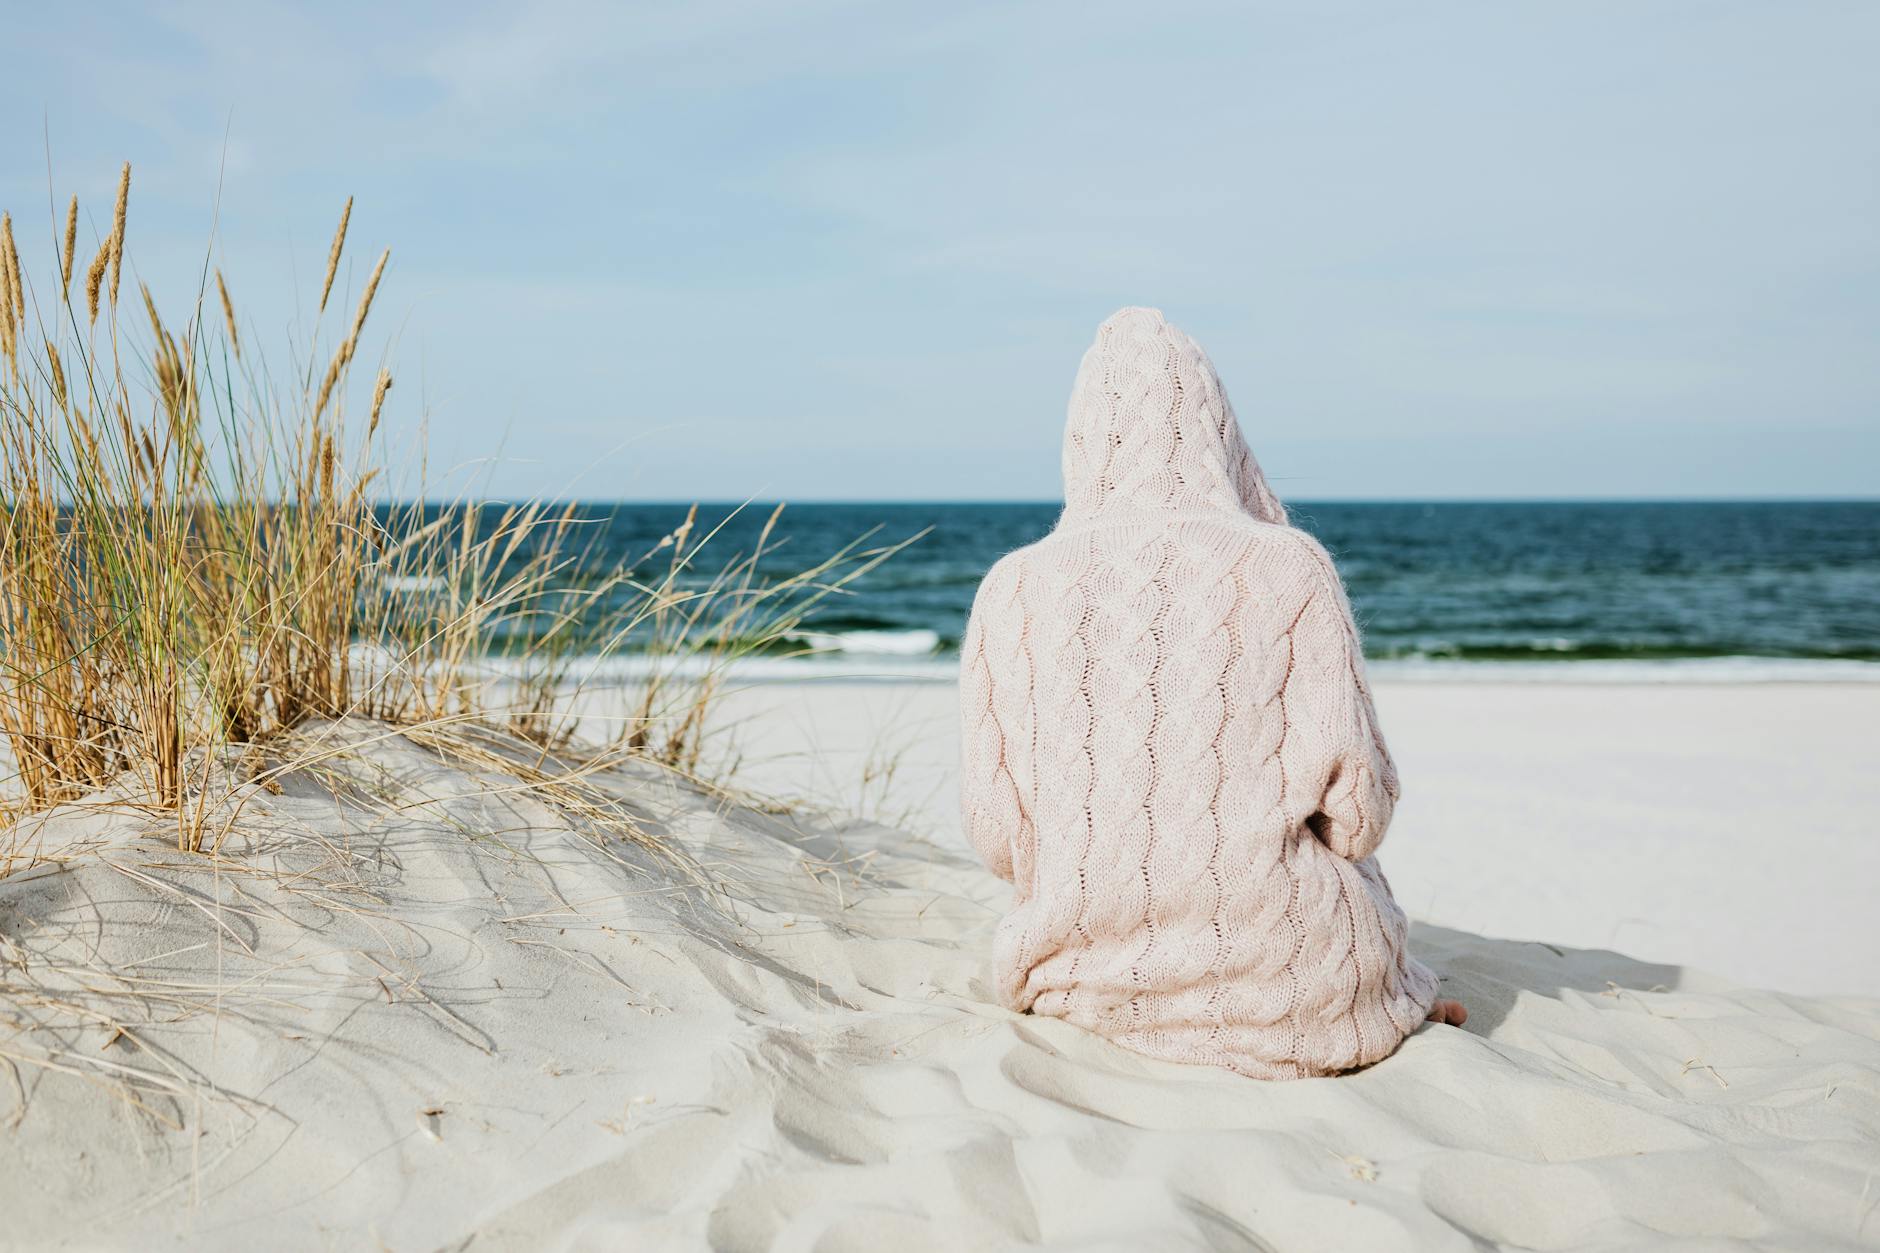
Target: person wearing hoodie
1170, 750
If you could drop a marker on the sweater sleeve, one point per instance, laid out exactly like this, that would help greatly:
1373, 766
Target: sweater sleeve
989, 806
1330, 702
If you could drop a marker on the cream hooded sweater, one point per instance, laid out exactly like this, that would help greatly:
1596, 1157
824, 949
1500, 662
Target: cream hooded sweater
1170, 749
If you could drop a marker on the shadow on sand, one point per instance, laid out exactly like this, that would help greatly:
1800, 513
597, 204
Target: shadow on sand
1487, 975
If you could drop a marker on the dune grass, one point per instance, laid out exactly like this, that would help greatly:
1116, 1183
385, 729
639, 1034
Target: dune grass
196, 560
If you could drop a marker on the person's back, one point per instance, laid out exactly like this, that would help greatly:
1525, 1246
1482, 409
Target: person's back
1169, 747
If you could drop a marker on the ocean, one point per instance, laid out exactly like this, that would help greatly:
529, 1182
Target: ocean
1585, 590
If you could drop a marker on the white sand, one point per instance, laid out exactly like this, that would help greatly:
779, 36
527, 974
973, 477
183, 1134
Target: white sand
1732, 827
440, 1014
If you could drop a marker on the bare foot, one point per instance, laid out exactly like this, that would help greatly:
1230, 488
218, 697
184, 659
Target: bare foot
1450, 1012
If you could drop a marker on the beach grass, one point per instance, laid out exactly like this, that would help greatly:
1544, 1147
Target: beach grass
197, 558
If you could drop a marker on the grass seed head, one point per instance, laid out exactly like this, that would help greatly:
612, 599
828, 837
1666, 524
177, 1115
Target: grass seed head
7, 342
365, 303
71, 244
58, 373
378, 400
332, 256
94, 278
117, 228
16, 291
228, 313
326, 384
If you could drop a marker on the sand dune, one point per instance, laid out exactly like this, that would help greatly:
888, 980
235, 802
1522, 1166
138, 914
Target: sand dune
417, 1008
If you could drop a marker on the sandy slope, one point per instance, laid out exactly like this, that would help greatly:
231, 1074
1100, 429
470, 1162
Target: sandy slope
438, 1013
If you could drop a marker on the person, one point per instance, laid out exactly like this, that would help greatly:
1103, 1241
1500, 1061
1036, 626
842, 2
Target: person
1170, 749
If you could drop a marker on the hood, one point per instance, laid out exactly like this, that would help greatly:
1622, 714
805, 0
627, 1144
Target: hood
1150, 428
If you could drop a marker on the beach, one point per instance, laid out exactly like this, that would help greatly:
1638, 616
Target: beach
416, 1004
490, 567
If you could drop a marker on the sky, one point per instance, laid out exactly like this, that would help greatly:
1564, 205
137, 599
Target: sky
733, 248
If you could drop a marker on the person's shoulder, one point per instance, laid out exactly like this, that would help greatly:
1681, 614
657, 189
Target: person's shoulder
1277, 547
1048, 561
1291, 543
1273, 541
1003, 575
1289, 557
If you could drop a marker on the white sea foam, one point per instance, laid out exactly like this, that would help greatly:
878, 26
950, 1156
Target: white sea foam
916, 643
412, 583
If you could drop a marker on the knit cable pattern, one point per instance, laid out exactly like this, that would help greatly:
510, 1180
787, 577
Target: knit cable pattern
1170, 749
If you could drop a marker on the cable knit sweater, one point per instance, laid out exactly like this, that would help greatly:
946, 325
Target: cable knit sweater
1170, 749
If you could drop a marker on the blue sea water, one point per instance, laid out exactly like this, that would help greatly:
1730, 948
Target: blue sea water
1708, 589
